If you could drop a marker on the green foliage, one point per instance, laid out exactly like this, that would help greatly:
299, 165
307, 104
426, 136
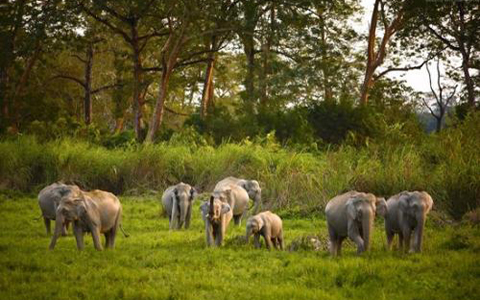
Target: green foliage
155, 263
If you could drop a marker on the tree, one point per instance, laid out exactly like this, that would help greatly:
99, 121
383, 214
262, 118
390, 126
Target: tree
452, 26
376, 57
441, 102
131, 21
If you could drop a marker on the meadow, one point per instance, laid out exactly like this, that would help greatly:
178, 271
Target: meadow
155, 263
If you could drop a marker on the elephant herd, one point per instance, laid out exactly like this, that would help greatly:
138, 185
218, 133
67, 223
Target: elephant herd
348, 215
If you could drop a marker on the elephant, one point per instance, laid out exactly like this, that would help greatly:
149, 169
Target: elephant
48, 200
267, 224
351, 214
177, 201
96, 212
216, 215
236, 197
405, 214
251, 186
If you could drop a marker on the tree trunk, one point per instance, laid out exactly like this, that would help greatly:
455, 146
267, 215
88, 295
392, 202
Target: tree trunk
137, 84
327, 89
87, 103
250, 76
207, 93
21, 85
468, 81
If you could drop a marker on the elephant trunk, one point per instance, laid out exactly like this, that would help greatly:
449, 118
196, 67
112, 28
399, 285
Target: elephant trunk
258, 202
183, 214
174, 217
367, 228
248, 234
58, 230
418, 234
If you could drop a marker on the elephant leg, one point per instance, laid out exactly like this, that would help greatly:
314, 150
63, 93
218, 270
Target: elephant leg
219, 236
354, 235
237, 219
406, 232
256, 240
339, 245
400, 241
209, 233
268, 241
78, 232
333, 240
107, 239
390, 236
280, 240
96, 239
275, 243
47, 225
113, 236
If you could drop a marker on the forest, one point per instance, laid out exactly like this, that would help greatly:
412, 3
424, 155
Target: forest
311, 98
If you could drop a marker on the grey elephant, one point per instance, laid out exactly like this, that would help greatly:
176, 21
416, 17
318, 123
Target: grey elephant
96, 212
48, 200
236, 197
177, 201
405, 215
251, 186
351, 215
216, 215
268, 225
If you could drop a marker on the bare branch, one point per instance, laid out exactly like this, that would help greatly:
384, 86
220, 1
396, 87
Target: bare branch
64, 76
106, 87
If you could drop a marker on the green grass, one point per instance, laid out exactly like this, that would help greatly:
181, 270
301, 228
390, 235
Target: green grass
154, 263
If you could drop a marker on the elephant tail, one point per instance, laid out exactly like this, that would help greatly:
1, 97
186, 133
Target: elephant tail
123, 231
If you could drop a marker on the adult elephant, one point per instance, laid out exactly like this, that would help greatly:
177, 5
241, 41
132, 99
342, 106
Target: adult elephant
48, 200
96, 212
251, 186
405, 215
236, 197
351, 215
177, 201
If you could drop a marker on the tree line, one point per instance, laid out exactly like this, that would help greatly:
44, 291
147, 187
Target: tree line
153, 66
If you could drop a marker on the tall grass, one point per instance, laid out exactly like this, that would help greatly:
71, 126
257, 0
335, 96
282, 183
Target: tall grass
447, 166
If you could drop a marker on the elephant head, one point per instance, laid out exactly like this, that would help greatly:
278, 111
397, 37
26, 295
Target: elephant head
381, 207
253, 189
214, 209
254, 225
183, 196
361, 213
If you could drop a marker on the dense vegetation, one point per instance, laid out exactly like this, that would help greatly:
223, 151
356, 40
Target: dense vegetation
445, 165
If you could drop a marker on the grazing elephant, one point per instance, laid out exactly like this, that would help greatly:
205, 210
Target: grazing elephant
236, 197
217, 215
405, 214
48, 200
251, 186
269, 225
177, 201
351, 214
96, 212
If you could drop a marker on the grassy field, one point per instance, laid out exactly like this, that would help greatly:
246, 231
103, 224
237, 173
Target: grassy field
154, 263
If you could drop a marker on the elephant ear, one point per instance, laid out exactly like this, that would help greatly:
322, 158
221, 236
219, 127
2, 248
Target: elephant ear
225, 208
193, 193
352, 209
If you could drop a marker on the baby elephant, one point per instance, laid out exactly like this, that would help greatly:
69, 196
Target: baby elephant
268, 225
351, 214
177, 201
216, 215
405, 214
48, 200
96, 212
